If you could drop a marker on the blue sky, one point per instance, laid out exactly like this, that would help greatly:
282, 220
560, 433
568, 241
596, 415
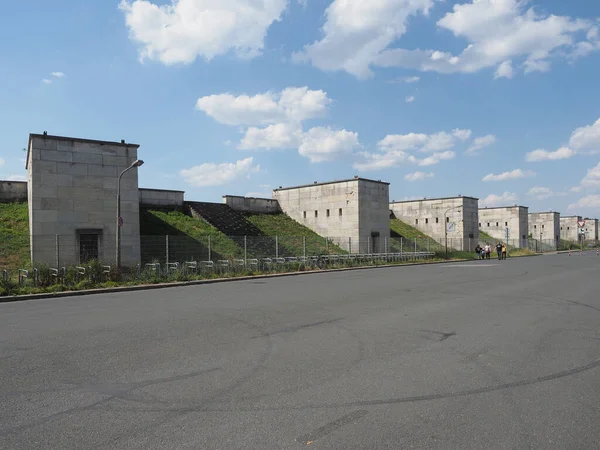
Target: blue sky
496, 99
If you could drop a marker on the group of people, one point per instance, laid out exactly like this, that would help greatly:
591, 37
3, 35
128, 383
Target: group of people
485, 251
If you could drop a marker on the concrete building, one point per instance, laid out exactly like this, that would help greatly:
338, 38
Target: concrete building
13, 191
495, 222
431, 216
252, 204
354, 213
569, 229
161, 197
591, 229
545, 227
72, 191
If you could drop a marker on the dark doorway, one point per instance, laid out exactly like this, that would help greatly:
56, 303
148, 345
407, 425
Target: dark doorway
88, 247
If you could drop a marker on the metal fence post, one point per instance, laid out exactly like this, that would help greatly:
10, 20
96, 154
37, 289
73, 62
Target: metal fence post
428, 245
276, 246
327, 245
245, 251
167, 250
209, 255
304, 246
57, 251
350, 245
401, 241
385, 244
415, 245
368, 245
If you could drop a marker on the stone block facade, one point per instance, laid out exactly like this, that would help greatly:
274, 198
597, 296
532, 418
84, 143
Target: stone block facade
13, 191
591, 229
569, 229
431, 216
545, 226
495, 221
353, 213
251, 204
72, 190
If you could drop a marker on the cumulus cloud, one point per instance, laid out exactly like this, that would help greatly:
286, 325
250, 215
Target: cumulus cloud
586, 139
321, 144
462, 135
505, 199
47, 81
500, 34
211, 174
418, 176
592, 178
293, 104
588, 202
357, 31
408, 80
417, 141
278, 136
58, 74
410, 99
542, 193
436, 158
512, 175
183, 30
480, 143
543, 155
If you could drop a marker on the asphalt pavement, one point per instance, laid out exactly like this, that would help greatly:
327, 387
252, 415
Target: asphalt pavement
478, 355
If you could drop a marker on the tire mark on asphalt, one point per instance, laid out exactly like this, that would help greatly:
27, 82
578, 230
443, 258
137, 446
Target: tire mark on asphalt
329, 428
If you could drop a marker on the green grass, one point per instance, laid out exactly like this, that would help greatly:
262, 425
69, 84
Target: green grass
291, 235
405, 230
14, 235
483, 236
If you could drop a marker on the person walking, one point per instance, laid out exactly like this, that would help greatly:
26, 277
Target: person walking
478, 251
499, 250
503, 251
488, 249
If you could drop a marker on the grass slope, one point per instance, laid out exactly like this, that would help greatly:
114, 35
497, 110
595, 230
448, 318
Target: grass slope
14, 235
291, 235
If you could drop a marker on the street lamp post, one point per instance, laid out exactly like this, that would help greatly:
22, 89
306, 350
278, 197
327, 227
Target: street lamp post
136, 163
446, 225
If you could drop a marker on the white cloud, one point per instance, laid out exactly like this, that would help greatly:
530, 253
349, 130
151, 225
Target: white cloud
183, 30
412, 141
500, 34
408, 80
418, 176
480, 143
357, 31
576, 189
504, 70
542, 193
278, 136
379, 161
588, 202
321, 144
46, 81
586, 139
544, 155
16, 177
58, 74
293, 104
410, 99
505, 199
462, 135
436, 158
512, 175
592, 178
211, 174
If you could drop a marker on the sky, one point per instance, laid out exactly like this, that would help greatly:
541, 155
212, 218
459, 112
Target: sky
494, 99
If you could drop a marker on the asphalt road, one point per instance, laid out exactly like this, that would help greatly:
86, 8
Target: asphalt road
493, 354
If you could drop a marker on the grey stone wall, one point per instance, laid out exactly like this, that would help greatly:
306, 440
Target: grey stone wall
569, 230
591, 229
161, 197
251, 204
494, 222
427, 215
13, 191
546, 223
72, 190
350, 212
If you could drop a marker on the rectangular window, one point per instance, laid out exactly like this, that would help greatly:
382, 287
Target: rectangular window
426, 221
488, 224
496, 223
447, 219
437, 220
505, 224
480, 225
327, 213
568, 228
316, 213
88, 247
542, 227
340, 212
305, 214
534, 227
416, 221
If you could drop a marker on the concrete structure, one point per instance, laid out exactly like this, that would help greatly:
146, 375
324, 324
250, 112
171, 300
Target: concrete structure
495, 221
252, 204
161, 197
591, 229
431, 216
545, 227
354, 213
569, 230
13, 191
72, 192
